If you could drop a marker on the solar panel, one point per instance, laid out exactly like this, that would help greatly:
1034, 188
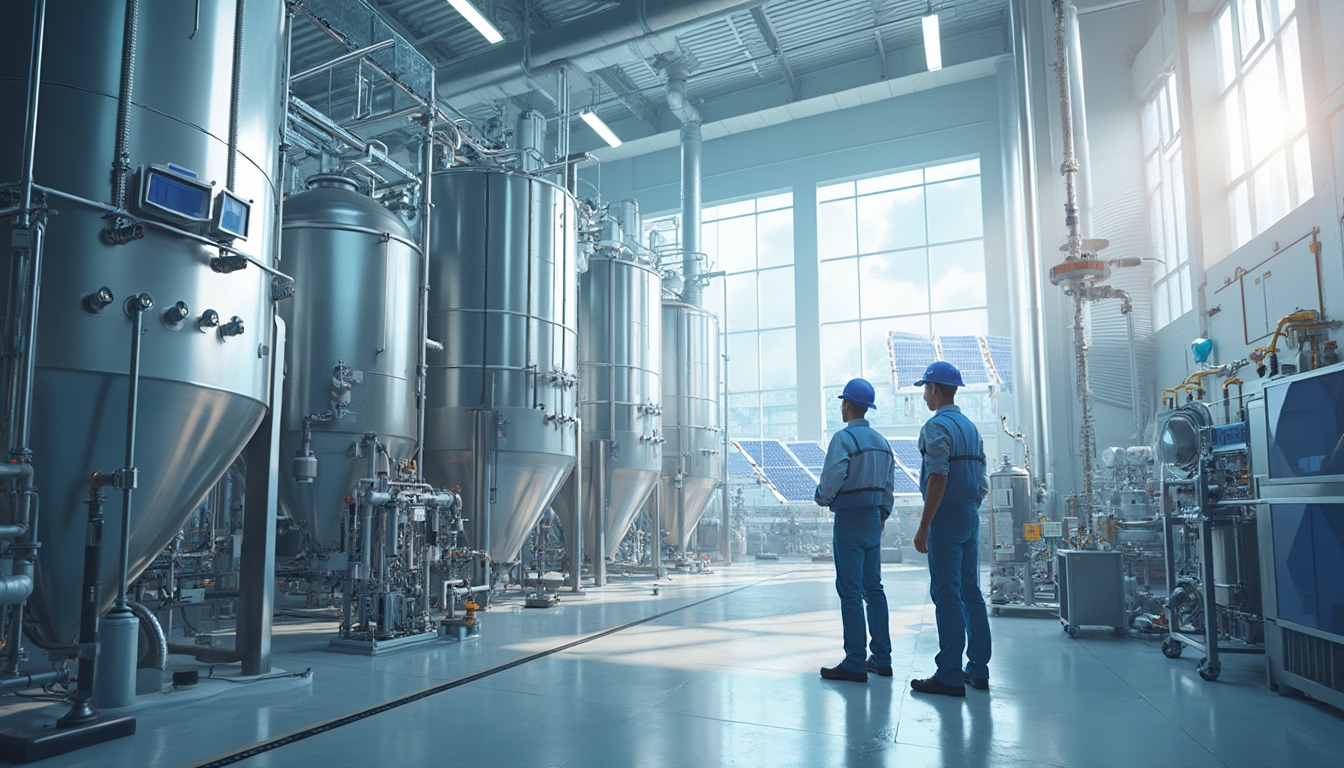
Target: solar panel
793, 483
1001, 354
809, 454
911, 353
905, 483
753, 449
964, 352
907, 452
776, 455
738, 466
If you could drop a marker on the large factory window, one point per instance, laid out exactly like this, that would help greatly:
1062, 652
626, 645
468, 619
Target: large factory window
899, 252
751, 241
1164, 173
1264, 112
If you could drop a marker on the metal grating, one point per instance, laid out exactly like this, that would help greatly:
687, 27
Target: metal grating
1001, 356
964, 352
1314, 658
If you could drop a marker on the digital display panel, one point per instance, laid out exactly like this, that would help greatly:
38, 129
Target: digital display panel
177, 196
231, 216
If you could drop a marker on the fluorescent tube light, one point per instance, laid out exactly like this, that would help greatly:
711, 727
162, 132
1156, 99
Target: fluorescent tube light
933, 44
477, 20
590, 117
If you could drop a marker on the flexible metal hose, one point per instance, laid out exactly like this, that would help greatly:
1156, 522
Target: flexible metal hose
121, 159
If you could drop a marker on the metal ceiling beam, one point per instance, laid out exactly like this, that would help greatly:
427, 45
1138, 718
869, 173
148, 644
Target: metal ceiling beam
767, 31
607, 34
625, 91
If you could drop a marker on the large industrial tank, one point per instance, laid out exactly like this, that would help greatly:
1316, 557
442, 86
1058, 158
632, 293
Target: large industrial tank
203, 392
501, 395
352, 351
692, 455
620, 391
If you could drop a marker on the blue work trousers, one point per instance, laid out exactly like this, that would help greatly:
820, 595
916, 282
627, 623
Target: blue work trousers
857, 545
954, 576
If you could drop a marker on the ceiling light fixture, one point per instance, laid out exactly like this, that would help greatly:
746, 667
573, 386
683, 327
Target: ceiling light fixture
477, 20
600, 128
933, 44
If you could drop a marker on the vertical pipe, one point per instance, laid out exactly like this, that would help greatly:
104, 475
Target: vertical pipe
422, 354
600, 504
1078, 110
136, 306
82, 711
1041, 438
30, 118
690, 211
1026, 394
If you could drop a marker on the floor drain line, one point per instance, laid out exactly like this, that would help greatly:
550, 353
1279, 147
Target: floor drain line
262, 747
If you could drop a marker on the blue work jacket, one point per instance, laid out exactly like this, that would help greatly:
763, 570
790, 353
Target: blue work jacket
859, 471
951, 446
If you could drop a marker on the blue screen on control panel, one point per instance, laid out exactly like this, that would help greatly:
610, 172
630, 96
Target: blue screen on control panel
178, 196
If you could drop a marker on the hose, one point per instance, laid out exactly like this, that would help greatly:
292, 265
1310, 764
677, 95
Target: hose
156, 653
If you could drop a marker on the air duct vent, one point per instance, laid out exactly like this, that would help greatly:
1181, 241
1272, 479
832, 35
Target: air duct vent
1314, 658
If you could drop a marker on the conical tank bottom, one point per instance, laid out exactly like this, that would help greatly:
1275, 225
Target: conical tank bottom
187, 436
628, 490
525, 483
318, 505
698, 492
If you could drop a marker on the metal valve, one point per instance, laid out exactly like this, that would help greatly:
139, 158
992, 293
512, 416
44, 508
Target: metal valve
232, 328
94, 303
208, 319
176, 316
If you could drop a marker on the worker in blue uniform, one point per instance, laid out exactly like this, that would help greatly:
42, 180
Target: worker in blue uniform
954, 482
856, 484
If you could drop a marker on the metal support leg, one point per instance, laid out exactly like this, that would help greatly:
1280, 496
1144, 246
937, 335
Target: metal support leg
656, 537
574, 531
1211, 666
599, 554
256, 573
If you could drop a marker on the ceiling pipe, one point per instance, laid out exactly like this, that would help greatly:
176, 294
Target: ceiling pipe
599, 39
680, 105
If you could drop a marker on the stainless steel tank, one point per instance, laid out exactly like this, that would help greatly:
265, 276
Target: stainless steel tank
620, 390
352, 350
502, 394
202, 393
1009, 510
692, 455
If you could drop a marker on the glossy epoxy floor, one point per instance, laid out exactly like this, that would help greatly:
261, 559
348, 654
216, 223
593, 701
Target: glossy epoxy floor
729, 677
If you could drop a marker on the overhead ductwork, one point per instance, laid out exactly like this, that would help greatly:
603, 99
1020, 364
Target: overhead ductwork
631, 30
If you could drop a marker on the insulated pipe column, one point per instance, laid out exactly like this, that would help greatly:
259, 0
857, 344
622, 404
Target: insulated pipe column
690, 212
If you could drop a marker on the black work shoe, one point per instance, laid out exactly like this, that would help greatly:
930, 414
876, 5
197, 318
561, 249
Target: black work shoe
931, 685
979, 685
883, 671
840, 673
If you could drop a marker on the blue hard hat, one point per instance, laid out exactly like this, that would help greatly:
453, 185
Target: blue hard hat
941, 373
860, 392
